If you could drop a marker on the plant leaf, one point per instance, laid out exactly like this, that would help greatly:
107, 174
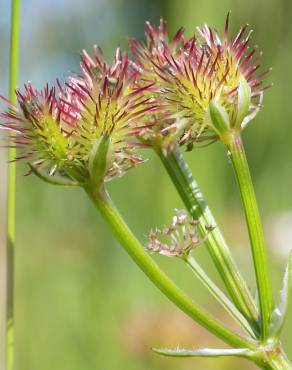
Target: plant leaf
280, 311
218, 294
53, 180
204, 352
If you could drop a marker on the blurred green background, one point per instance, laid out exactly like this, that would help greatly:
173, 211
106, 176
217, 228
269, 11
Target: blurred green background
80, 301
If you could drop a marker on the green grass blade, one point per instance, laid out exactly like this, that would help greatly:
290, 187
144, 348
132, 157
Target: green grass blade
13, 77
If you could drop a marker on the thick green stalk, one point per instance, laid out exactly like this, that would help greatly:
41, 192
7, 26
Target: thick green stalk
13, 77
193, 199
272, 357
218, 295
255, 230
124, 235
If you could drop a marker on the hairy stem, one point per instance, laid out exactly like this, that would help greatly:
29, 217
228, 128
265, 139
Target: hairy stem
128, 241
240, 165
192, 197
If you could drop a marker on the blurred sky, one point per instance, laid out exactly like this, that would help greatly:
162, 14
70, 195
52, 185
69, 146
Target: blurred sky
53, 32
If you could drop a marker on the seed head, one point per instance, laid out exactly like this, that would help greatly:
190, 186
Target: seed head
204, 86
84, 131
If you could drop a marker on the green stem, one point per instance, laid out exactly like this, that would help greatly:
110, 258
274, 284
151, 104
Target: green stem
124, 235
218, 294
274, 359
240, 165
193, 199
13, 77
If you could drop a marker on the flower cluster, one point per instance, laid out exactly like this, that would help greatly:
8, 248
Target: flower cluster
108, 103
205, 86
89, 125
182, 90
177, 239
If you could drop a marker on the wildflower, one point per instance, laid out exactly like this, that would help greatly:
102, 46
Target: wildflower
176, 240
148, 59
205, 86
85, 131
38, 128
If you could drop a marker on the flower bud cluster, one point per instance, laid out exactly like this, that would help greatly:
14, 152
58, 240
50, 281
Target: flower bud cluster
177, 239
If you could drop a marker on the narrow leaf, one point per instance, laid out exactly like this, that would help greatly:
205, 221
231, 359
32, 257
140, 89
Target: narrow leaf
53, 180
204, 352
219, 295
280, 311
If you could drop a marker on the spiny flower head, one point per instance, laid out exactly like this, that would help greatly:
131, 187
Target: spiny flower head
86, 130
208, 87
148, 58
39, 127
176, 240
157, 43
109, 105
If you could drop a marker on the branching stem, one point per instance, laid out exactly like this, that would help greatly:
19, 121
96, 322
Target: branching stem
192, 197
128, 241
